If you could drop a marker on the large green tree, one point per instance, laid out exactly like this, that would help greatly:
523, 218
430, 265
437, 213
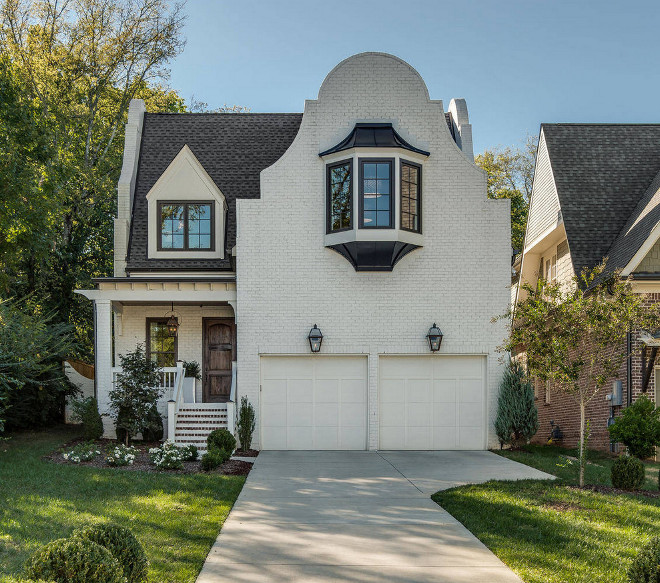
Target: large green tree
510, 174
77, 65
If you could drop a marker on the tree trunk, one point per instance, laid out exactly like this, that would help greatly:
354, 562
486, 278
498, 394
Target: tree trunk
582, 444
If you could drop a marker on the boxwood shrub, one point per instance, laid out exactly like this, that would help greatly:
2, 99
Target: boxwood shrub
645, 567
214, 458
627, 473
221, 439
123, 546
74, 560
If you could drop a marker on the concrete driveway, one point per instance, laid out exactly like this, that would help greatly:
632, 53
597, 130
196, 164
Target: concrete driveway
362, 517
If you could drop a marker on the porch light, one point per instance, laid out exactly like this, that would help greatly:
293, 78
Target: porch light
315, 338
172, 322
435, 338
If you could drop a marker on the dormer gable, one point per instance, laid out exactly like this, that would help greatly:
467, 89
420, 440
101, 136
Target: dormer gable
186, 212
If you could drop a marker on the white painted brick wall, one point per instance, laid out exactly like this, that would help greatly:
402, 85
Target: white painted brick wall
288, 280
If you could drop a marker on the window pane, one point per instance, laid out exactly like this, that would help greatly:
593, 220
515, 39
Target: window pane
383, 170
177, 241
369, 202
383, 202
383, 187
383, 219
199, 221
205, 241
370, 186
369, 218
340, 197
171, 222
410, 197
369, 170
205, 227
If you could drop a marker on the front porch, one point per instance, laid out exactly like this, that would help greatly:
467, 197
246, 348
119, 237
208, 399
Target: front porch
135, 311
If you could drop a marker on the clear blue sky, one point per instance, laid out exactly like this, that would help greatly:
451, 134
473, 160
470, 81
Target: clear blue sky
517, 62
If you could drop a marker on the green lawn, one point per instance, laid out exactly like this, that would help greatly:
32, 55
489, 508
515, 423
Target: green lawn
176, 517
551, 532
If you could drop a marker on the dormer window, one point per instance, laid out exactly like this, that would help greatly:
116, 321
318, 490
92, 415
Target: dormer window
185, 226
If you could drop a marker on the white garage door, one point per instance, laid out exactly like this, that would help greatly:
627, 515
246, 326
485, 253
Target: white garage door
313, 402
432, 402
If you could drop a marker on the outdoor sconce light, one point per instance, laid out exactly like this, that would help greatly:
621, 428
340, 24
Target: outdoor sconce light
435, 338
315, 338
172, 322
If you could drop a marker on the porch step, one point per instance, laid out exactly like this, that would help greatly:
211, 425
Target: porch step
196, 421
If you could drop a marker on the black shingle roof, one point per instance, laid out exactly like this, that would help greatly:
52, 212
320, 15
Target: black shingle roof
233, 148
601, 171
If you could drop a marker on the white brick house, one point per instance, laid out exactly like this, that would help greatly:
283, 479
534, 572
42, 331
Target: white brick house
366, 216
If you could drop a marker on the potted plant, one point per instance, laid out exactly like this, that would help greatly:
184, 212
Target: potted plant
192, 373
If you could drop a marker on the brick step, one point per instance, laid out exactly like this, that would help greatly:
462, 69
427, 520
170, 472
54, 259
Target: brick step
199, 426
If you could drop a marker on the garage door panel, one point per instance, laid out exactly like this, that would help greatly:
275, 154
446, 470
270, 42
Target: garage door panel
326, 414
299, 414
314, 402
392, 390
353, 391
390, 414
444, 390
419, 390
276, 413
326, 391
434, 402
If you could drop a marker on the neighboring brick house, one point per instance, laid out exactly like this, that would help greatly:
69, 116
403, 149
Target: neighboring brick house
596, 195
365, 215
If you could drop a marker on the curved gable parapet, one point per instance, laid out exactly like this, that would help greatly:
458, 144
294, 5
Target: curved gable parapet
371, 71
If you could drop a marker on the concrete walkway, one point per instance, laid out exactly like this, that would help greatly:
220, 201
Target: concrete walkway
362, 517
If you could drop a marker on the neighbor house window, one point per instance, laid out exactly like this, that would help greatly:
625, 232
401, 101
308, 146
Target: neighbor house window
161, 347
185, 226
340, 196
411, 193
551, 269
376, 194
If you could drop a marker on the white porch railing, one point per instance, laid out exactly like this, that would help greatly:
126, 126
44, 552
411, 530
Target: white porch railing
175, 401
231, 404
167, 377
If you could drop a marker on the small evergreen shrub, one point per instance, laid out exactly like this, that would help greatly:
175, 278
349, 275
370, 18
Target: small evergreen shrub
83, 452
221, 439
86, 411
627, 473
153, 426
123, 546
645, 567
121, 455
74, 560
245, 424
638, 428
517, 417
214, 458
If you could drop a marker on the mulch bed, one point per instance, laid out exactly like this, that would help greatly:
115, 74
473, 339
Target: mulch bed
142, 462
616, 491
246, 453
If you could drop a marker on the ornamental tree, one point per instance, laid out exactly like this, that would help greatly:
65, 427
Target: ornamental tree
573, 334
517, 417
136, 392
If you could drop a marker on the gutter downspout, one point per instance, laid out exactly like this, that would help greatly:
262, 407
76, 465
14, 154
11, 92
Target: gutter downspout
629, 391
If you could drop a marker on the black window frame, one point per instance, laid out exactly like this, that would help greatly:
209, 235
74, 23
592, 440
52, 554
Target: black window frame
328, 195
361, 163
162, 321
403, 162
185, 204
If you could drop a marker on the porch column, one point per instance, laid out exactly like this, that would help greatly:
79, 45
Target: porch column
103, 356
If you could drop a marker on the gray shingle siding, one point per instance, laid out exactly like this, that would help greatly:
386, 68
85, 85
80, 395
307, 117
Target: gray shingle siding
601, 172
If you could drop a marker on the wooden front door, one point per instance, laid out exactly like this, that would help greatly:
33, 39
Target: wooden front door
219, 353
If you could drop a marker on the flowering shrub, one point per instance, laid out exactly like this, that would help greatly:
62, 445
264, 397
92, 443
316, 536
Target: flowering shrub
83, 452
121, 455
171, 457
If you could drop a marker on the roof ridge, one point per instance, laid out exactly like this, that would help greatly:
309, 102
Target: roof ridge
220, 113
600, 124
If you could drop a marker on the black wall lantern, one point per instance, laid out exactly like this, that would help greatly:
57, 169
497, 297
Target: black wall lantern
315, 338
435, 338
172, 322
